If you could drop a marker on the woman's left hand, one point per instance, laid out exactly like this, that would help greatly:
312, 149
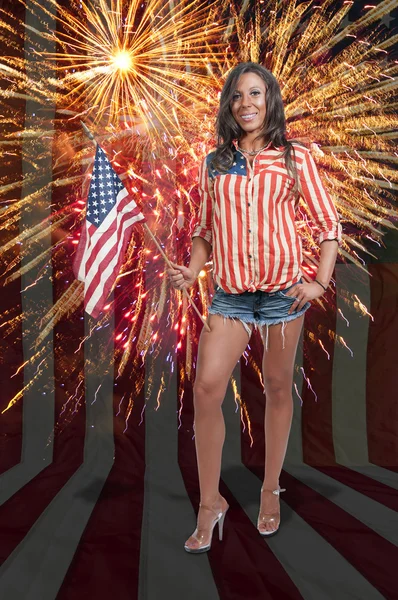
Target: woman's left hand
304, 292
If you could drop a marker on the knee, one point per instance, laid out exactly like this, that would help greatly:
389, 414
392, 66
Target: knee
278, 388
207, 395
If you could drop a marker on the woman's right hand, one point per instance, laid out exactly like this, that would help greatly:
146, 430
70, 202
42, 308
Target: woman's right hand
181, 277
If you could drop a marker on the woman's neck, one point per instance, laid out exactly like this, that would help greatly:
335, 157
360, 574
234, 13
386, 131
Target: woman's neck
251, 142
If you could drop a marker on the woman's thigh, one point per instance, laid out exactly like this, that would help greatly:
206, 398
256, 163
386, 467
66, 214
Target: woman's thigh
279, 358
218, 353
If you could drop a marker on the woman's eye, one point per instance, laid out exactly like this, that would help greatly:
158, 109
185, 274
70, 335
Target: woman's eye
235, 96
256, 92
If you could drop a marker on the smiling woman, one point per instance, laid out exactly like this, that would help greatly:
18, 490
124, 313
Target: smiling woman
251, 111
249, 189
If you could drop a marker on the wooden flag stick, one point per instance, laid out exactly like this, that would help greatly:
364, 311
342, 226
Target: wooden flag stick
185, 292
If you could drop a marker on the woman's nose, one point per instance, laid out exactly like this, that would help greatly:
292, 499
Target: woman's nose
246, 100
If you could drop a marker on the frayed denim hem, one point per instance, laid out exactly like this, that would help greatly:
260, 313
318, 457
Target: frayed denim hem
265, 322
277, 321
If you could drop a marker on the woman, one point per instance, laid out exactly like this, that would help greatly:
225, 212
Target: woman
250, 187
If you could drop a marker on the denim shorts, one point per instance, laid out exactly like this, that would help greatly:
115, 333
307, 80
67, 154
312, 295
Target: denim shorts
256, 308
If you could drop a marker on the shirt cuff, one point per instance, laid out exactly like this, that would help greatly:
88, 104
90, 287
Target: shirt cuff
203, 233
333, 234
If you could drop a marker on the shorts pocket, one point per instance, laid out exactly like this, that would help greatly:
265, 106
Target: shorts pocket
282, 293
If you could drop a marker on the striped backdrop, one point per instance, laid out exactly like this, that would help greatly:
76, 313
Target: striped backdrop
109, 511
103, 513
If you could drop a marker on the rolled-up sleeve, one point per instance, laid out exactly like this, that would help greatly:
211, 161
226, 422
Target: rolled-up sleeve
203, 222
319, 201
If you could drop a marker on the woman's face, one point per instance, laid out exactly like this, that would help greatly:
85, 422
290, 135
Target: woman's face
248, 105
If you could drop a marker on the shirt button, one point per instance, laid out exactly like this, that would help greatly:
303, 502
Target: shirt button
248, 204
250, 256
250, 230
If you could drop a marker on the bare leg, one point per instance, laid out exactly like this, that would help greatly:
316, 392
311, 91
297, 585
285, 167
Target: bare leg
218, 353
278, 367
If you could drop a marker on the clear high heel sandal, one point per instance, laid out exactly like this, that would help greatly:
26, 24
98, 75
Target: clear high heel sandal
200, 534
265, 518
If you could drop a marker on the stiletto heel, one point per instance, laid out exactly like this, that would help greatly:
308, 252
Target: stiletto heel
220, 518
264, 518
221, 525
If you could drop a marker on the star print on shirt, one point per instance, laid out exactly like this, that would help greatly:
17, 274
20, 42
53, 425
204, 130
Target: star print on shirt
238, 167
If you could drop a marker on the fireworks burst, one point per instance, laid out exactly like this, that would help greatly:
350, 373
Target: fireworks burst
135, 62
147, 78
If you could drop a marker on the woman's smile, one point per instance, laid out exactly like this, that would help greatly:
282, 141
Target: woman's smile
248, 117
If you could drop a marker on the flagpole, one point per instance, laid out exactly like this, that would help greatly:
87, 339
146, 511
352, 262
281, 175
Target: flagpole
184, 291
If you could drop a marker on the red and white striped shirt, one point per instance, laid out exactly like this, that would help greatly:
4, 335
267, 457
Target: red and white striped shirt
248, 217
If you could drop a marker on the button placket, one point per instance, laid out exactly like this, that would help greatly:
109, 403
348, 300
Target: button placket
249, 204
251, 248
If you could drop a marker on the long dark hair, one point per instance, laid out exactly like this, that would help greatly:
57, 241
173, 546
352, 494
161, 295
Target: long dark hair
227, 129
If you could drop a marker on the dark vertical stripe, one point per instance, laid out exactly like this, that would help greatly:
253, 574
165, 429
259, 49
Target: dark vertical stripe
349, 371
253, 454
36, 289
11, 383
114, 528
382, 373
317, 421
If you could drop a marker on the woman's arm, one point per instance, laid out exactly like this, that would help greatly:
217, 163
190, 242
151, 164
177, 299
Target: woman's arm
319, 201
327, 261
200, 254
305, 292
324, 214
184, 277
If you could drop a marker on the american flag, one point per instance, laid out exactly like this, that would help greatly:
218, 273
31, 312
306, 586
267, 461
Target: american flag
110, 215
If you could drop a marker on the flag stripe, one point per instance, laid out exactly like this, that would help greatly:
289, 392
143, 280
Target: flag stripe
100, 236
102, 282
